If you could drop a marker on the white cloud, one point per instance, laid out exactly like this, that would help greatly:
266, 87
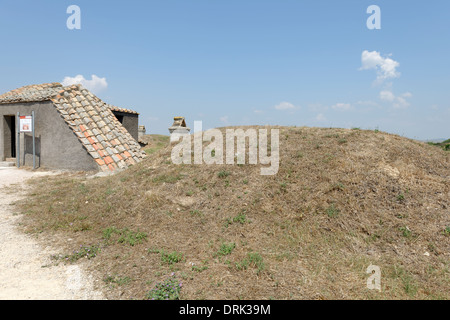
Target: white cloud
399, 102
386, 68
387, 95
224, 120
96, 84
285, 106
320, 117
407, 95
341, 106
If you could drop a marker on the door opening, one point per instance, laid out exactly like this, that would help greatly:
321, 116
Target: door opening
9, 136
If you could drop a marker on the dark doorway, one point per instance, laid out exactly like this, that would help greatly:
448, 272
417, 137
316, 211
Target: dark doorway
9, 135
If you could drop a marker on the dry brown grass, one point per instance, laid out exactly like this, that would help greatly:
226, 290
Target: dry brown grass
342, 200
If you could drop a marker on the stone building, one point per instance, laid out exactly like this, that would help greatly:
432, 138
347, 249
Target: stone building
74, 129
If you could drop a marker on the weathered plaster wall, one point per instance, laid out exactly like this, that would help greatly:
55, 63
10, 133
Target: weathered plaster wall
56, 144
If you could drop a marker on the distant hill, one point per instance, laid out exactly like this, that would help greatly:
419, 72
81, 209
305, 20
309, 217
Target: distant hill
434, 140
444, 144
342, 200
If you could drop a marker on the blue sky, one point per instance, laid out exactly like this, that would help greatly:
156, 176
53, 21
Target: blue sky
243, 62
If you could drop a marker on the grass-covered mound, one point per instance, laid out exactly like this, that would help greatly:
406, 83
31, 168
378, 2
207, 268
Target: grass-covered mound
343, 199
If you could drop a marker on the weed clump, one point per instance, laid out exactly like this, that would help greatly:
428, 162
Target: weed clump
169, 289
87, 252
253, 259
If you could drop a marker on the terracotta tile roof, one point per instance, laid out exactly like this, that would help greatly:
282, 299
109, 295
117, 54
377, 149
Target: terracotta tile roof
40, 92
91, 119
118, 109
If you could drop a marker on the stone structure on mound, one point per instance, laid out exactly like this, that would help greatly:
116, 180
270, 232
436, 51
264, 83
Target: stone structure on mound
178, 128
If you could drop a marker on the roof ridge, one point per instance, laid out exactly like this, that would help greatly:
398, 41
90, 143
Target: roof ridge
33, 92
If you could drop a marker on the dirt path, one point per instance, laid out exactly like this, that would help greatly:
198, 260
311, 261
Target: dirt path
22, 260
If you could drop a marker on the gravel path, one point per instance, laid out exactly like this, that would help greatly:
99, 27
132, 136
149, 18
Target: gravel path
22, 260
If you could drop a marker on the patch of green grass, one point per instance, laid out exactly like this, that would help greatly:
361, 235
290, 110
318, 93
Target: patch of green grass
239, 218
167, 178
223, 174
407, 280
225, 249
110, 191
447, 231
299, 155
406, 232
196, 213
116, 280
201, 268
124, 236
149, 151
253, 259
83, 188
171, 258
332, 211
